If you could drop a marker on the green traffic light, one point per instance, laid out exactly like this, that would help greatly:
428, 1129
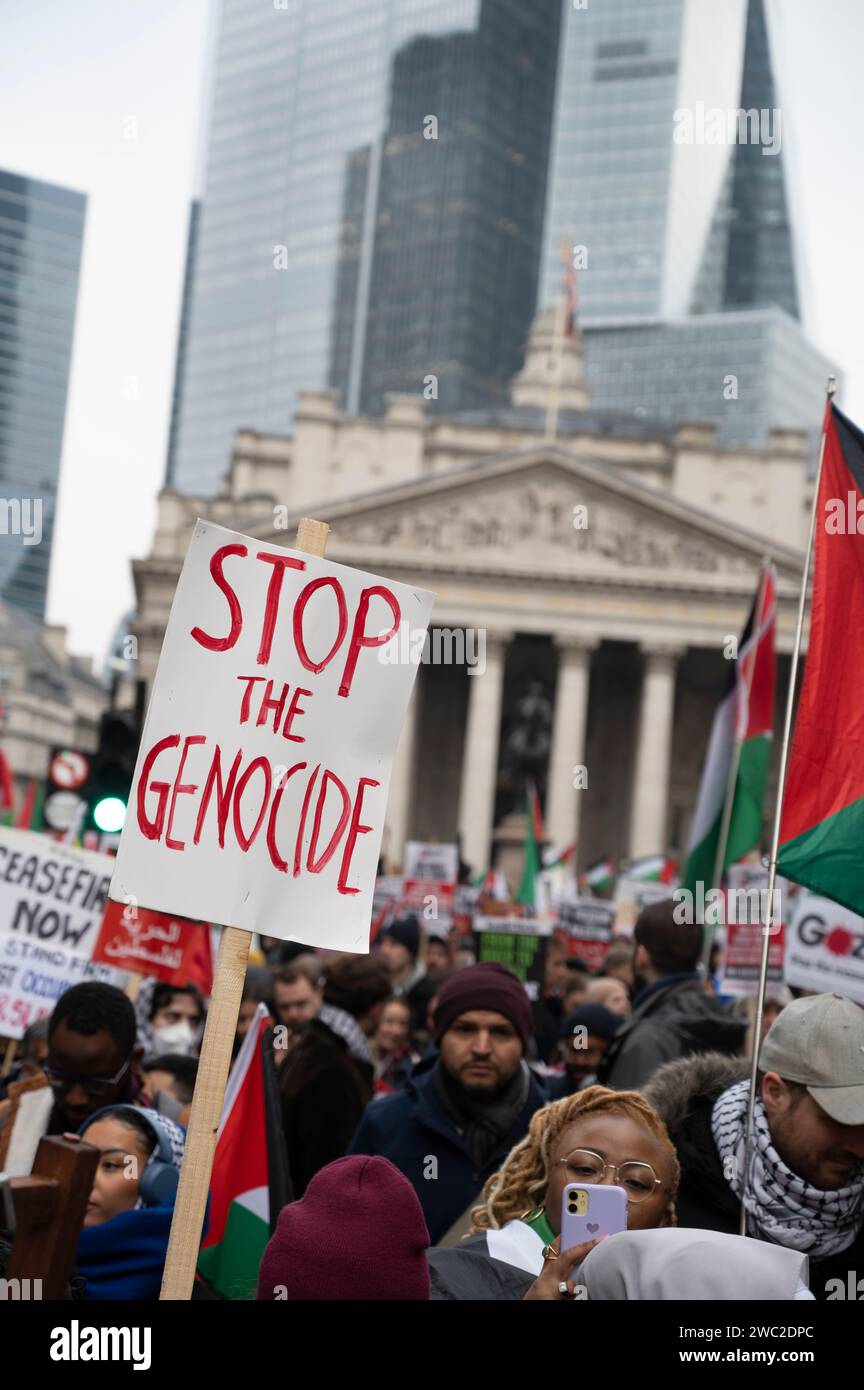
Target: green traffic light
109, 814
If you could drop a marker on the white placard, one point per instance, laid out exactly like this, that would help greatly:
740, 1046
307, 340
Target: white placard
427, 861
631, 895
825, 948
52, 894
33, 976
260, 790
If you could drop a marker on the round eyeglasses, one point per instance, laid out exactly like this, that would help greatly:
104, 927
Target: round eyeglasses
638, 1180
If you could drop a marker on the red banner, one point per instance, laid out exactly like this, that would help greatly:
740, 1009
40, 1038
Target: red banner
171, 949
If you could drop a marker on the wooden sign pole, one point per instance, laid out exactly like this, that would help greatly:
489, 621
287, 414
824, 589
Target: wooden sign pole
214, 1063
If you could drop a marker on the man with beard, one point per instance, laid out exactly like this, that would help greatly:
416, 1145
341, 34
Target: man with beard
465, 1107
805, 1187
672, 1016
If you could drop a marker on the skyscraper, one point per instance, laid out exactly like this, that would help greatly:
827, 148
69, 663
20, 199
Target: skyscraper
343, 243
456, 244
620, 184
41, 233
749, 258
667, 168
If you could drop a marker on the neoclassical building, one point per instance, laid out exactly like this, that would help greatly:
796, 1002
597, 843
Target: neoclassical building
602, 564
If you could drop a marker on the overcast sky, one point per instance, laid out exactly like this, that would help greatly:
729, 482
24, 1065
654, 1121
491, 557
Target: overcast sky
78, 77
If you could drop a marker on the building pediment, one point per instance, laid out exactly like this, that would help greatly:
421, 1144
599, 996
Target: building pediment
543, 512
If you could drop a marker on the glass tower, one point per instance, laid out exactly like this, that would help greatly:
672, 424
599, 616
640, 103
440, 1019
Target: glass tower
639, 201
41, 233
749, 257
340, 243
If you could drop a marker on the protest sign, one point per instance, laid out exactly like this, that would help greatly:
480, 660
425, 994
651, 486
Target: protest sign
431, 872
825, 948
742, 958
745, 908
51, 893
357, 741
588, 924
259, 794
165, 948
520, 943
34, 975
631, 895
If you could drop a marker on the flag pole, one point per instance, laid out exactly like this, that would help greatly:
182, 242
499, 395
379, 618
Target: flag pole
775, 838
732, 779
555, 388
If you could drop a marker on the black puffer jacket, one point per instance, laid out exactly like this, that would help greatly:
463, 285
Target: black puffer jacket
677, 1019
683, 1093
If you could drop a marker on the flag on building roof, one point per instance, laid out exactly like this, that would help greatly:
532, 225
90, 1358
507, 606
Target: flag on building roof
742, 728
249, 1184
570, 299
822, 819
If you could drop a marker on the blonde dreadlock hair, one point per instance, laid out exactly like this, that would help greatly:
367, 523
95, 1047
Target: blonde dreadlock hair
521, 1181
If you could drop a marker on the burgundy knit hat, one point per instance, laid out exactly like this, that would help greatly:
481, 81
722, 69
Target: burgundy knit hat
357, 1233
488, 986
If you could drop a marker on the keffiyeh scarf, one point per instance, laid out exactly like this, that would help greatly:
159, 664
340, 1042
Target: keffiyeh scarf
781, 1206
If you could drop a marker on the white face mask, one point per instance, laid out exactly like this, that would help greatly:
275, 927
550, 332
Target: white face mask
177, 1038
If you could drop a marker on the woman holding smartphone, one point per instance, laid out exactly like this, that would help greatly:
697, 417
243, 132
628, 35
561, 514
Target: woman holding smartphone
595, 1136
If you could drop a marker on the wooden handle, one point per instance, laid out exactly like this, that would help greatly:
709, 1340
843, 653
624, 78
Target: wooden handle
213, 1065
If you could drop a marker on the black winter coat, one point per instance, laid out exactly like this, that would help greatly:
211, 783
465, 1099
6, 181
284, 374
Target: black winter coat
323, 1091
676, 1020
415, 1131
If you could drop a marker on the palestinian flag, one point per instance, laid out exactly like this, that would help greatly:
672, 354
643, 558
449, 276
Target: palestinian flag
493, 884
743, 722
654, 868
30, 815
599, 875
527, 894
249, 1184
822, 820
553, 857
7, 788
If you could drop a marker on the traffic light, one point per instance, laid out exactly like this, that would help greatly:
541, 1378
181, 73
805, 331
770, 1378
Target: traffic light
111, 770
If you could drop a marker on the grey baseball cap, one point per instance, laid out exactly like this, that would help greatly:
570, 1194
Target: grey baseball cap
819, 1042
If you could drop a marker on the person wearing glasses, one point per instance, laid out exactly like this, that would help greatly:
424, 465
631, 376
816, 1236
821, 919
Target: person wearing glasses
92, 1058
594, 1136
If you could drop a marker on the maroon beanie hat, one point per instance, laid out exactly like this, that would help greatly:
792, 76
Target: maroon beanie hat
357, 1233
488, 986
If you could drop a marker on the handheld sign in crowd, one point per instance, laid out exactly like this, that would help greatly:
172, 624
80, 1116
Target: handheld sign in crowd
259, 794
588, 924
825, 948
50, 893
33, 977
520, 943
431, 872
745, 903
631, 895
260, 789
52, 899
165, 948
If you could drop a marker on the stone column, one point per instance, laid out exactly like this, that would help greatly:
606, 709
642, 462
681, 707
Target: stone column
480, 758
402, 782
650, 801
563, 800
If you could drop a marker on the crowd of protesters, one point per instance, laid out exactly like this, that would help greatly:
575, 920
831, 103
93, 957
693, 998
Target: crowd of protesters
433, 1114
